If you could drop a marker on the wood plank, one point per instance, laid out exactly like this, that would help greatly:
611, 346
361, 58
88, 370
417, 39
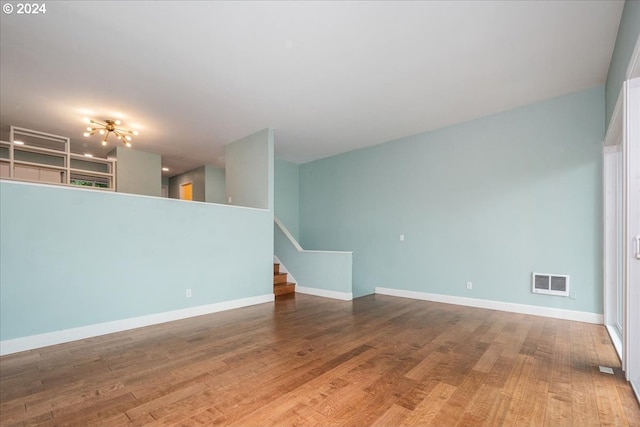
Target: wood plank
584, 407
479, 410
394, 416
429, 408
558, 405
305, 360
460, 400
92, 413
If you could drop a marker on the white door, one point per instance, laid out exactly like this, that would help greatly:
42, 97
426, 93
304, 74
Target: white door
631, 329
613, 172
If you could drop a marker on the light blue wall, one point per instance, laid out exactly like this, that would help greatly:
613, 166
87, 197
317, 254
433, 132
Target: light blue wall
197, 179
208, 184
73, 257
286, 195
249, 170
214, 187
489, 201
628, 33
331, 271
138, 172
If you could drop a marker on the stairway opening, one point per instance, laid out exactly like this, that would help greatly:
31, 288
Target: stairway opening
281, 284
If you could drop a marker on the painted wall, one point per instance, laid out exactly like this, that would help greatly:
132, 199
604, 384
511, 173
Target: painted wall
489, 201
137, 172
286, 191
329, 271
249, 170
208, 184
196, 177
74, 257
628, 34
214, 185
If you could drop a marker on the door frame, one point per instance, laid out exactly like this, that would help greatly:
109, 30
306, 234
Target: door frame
621, 127
631, 332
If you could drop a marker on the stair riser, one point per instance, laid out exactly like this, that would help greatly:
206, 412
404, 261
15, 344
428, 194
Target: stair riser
284, 289
280, 284
279, 278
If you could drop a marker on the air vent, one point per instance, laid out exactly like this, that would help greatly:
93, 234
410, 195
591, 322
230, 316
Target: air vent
550, 284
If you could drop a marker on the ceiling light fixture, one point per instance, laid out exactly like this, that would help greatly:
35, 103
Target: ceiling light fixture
107, 128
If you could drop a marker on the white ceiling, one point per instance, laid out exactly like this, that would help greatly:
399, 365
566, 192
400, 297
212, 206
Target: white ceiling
330, 77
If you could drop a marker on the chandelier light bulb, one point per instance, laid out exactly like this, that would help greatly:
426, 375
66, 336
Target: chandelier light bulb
86, 119
108, 127
135, 132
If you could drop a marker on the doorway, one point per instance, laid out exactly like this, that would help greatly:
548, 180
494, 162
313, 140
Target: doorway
621, 173
631, 148
186, 191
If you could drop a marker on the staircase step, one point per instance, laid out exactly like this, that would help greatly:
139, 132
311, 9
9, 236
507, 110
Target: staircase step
279, 278
276, 268
284, 288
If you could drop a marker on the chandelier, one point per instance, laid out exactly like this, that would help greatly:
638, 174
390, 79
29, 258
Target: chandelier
107, 128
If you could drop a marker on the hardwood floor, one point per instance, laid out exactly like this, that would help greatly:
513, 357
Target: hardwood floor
306, 361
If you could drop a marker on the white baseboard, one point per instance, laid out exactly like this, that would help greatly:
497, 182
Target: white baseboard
557, 313
344, 296
58, 337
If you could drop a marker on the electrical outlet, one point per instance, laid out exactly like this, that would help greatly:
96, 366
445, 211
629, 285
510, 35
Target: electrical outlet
187, 293
402, 237
572, 294
469, 285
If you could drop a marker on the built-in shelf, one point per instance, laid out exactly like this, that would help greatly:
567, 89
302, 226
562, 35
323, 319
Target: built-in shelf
44, 157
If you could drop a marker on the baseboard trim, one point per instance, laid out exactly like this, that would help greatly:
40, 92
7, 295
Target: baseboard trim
343, 296
67, 335
557, 313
